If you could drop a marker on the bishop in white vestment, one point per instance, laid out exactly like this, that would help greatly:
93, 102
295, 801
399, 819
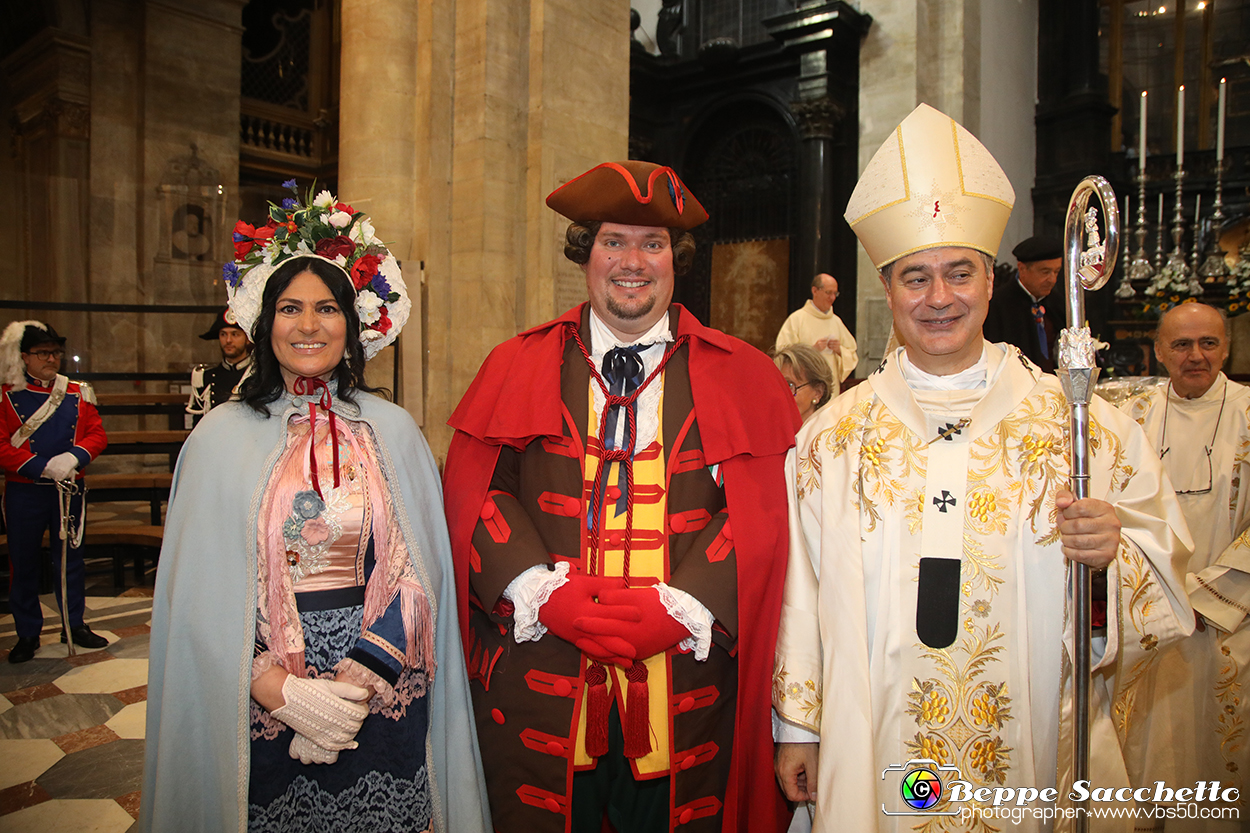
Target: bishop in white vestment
1191, 713
925, 612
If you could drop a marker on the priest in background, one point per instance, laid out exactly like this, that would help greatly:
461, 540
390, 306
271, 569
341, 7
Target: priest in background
924, 613
1193, 712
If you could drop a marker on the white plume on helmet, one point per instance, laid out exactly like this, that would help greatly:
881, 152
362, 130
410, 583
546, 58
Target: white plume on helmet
12, 368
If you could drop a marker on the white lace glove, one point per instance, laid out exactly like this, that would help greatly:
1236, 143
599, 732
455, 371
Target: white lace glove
325, 712
307, 752
61, 467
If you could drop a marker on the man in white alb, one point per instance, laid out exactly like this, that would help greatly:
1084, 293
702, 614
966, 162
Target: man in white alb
1192, 714
816, 325
924, 614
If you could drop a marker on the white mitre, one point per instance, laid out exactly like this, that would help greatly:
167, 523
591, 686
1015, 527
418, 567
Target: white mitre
930, 184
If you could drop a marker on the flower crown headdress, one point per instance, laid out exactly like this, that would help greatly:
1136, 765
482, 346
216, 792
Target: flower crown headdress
323, 227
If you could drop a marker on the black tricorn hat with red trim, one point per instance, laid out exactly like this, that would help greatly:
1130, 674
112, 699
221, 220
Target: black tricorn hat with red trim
632, 193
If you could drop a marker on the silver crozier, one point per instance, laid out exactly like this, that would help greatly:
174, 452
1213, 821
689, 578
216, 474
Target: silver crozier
1089, 261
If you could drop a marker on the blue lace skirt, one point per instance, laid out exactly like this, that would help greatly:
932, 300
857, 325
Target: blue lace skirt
381, 786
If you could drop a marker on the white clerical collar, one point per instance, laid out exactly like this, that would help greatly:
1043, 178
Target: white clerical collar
815, 310
1215, 393
971, 379
602, 339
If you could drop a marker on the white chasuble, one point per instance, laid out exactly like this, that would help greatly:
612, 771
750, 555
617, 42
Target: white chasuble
1191, 717
925, 556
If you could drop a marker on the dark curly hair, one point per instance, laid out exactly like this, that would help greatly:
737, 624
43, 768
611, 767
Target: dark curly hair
580, 237
265, 384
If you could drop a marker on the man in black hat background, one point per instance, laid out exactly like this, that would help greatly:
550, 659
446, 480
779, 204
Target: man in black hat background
51, 432
1029, 312
211, 386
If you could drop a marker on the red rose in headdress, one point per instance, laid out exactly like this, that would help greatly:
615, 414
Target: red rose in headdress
342, 206
332, 247
383, 324
364, 269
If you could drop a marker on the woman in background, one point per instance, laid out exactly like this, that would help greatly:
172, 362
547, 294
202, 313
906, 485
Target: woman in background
808, 375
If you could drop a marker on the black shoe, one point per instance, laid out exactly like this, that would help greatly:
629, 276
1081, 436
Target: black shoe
24, 650
85, 638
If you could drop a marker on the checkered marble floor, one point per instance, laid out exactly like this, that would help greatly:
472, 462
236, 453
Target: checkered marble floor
71, 728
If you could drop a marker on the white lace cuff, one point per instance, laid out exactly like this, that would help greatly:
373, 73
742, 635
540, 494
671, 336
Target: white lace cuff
691, 613
530, 591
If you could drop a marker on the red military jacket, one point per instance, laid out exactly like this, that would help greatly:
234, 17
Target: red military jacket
520, 432
74, 426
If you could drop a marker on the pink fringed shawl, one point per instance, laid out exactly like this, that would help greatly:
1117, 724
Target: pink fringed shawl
393, 574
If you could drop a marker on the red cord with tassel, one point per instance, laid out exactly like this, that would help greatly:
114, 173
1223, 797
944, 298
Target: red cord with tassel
637, 724
597, 705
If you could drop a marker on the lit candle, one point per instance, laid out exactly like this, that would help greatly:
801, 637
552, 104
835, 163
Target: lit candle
1141, 126
1180, 127
1219, 124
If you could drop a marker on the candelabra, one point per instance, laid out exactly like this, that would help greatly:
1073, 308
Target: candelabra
1195, 258
1179, 273
1139, 269
1215, 269
1158, 261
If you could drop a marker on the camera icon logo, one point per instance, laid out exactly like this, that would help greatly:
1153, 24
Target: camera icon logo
921, 787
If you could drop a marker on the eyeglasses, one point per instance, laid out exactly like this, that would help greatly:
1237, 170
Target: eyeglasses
1208, 448
48, 355
794, 389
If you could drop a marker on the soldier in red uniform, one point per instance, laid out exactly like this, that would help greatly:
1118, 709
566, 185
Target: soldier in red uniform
51, 432
615, 496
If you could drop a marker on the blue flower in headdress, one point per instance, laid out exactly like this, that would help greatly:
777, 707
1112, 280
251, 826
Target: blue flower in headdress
292, 527
380, 286
290, 183
307, 504
288, 202
230, 273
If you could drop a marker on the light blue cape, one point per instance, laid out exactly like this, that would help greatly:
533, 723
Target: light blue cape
195, 775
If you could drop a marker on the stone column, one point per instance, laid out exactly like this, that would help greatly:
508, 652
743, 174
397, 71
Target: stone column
378, 126
813, 250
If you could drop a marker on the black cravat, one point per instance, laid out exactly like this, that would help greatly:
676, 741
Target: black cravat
623, 371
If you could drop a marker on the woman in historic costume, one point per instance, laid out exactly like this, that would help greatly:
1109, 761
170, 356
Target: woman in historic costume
304, 669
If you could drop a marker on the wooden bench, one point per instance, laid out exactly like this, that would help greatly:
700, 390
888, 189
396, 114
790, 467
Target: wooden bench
119, 541
153, 488
147, 442
172, 405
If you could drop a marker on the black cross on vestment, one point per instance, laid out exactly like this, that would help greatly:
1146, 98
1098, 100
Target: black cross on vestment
952, 428
944, 501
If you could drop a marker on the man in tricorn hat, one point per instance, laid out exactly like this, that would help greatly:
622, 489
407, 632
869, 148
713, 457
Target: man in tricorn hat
51, 432
1028, 312
211, 386
924, 613
619, 560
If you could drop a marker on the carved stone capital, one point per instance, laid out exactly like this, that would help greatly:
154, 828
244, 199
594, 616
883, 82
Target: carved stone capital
817, 117
57, 118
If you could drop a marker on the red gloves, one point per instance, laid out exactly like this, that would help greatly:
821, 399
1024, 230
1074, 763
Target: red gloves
639, 626
573, 604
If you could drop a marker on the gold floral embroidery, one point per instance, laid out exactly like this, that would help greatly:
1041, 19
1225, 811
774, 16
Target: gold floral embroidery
989, 757
930, 703
990, 707
987, 511
797, 700
931, 746
915, 511
1230, 727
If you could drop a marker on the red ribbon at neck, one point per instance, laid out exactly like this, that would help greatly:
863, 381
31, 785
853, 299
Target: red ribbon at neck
305, 386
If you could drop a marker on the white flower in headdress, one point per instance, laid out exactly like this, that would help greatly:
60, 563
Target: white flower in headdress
362, 232
324, 200
368, 306
339, 219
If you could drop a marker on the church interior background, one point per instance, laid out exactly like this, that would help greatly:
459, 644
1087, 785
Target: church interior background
134, 133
